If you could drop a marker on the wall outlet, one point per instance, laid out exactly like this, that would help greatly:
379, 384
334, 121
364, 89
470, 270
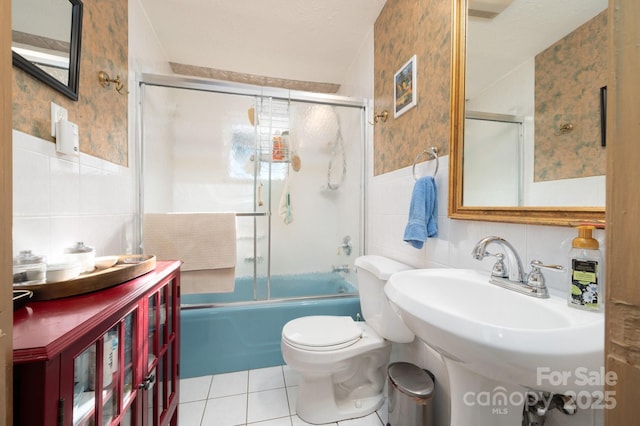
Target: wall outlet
57, 113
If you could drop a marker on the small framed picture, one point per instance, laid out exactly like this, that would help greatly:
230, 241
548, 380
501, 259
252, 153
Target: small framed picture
404, 88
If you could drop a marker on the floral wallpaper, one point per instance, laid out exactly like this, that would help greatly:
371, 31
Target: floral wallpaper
100, 113
403, 29
569, 75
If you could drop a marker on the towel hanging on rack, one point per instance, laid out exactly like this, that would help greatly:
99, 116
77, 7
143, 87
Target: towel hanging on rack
205, 242
423, 213
433, 154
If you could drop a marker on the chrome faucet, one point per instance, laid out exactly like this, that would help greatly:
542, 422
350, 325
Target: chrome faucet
513, 271
511, 275
341, 268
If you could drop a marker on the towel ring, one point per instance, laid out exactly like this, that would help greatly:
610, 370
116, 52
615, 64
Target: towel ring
433, 154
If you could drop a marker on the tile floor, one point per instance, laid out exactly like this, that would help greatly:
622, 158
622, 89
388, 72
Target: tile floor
265, 397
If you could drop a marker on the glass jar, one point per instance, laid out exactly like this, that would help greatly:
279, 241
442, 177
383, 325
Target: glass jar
82, 254
29, 268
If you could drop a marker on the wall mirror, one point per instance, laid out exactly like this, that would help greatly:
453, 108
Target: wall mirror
527, 78
46, 41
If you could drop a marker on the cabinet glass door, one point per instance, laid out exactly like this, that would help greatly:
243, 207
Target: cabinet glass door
152, 345
162, 352
108, 366
110, 376
84, 385
129, 340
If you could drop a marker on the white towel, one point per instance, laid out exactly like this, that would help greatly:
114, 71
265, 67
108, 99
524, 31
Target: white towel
205, 242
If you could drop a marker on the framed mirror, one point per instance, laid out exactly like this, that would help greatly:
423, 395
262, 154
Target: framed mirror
527, 77
46, 42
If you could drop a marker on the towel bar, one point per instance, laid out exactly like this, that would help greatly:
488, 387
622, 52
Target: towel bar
254, 214
433, 154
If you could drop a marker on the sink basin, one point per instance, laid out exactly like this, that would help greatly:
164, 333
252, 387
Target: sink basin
510, 338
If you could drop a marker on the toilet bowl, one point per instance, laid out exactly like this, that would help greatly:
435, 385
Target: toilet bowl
341, 362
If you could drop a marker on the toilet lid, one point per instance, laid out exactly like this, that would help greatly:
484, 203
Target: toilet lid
318, 333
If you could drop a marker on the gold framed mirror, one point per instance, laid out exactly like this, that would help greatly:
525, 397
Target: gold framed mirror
460, 207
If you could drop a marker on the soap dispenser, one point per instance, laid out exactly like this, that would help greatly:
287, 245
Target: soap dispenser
587, 287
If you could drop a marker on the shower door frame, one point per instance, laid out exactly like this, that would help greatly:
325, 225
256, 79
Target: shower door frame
217, 86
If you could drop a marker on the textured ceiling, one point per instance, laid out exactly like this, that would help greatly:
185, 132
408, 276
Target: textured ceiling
312, 40
308, 40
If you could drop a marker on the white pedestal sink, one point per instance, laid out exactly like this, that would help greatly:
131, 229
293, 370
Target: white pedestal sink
498, 344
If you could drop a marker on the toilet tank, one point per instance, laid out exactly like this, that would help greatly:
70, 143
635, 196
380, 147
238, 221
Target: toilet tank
373, 273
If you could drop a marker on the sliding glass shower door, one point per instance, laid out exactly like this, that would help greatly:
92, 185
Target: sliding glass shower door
291, 170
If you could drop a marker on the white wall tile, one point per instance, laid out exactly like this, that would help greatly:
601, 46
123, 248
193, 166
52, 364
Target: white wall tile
389, 198
62, 199
31, 233
64, 189
91, 194
31, 181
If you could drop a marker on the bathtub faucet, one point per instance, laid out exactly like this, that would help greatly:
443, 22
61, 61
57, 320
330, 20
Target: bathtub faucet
341, 268
345, 246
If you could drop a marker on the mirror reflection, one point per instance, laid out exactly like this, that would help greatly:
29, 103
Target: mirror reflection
46, 41
532, 131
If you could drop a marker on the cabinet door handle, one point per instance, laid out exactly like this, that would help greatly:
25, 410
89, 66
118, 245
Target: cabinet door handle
148, 381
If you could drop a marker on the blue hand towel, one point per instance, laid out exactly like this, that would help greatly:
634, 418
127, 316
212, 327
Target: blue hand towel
423, 213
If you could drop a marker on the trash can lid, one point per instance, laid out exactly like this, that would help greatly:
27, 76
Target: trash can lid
411, 380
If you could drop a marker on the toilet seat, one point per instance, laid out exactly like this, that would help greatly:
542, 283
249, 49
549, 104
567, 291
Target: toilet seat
322, 333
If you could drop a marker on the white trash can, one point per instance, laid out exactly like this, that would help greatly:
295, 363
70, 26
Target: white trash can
410, 395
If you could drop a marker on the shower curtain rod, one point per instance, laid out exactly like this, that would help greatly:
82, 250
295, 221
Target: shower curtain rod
207, 85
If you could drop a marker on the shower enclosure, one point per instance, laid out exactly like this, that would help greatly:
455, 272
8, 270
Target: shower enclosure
289, 164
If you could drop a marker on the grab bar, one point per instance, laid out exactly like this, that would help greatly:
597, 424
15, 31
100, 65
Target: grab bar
433, 153
254, 214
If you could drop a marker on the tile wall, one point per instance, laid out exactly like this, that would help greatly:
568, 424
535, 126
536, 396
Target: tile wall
61, 199
389, 196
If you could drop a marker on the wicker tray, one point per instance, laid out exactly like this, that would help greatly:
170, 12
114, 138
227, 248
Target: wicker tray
127, 268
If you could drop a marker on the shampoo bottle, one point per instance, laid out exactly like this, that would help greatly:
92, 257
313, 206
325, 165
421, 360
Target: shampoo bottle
587, 287
276, 152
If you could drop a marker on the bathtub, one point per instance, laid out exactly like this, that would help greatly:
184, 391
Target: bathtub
226, 332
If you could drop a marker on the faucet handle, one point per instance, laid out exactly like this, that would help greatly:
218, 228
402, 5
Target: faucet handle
499, 268
535, 277
536, 264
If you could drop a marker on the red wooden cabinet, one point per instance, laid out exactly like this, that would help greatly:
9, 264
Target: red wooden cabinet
105, 358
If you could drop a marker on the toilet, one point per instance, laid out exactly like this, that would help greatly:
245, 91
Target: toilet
341, 362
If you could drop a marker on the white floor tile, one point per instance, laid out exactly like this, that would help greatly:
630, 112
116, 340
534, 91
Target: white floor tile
225, 411
190, 413
265, 379
291, 376
255, 398
383, 412
370, 420
292, 395
229, 384
282, 421
266, 405
194, 389
297, 421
